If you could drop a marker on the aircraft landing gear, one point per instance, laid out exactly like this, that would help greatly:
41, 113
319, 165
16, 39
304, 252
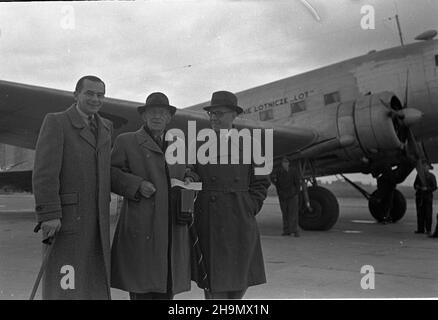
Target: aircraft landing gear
324, 210
377, 205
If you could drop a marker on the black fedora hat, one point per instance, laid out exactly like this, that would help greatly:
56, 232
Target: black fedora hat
226, 99
157, 99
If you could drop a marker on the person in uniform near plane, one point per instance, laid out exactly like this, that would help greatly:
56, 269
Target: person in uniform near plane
225, 212
287, 182
151, 249
424, 199
71, 185
386, 184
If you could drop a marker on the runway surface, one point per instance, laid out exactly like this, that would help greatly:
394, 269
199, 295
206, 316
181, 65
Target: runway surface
317, 265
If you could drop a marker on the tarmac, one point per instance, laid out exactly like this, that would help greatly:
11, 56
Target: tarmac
395, 262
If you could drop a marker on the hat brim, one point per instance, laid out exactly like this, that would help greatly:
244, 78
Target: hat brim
172, 109
238, 109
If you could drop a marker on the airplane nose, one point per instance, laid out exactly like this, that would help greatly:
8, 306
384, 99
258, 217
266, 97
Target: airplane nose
411, 116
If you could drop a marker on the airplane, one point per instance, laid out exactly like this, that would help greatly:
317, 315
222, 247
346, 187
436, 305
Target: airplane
362, 115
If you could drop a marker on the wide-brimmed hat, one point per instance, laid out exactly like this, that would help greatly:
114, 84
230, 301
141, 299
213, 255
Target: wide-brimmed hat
226, 99
157, 99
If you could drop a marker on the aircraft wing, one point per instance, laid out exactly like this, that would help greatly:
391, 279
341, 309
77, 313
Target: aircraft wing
23, 108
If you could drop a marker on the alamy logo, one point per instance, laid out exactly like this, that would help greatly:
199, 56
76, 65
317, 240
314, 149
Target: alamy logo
68, 280
368, 280
252, 150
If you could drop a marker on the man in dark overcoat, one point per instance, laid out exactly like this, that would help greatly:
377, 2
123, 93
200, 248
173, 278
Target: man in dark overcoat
151, 250
71, 185
225, 212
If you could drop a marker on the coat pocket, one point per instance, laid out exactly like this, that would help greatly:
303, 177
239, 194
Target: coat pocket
251, 206
70, 218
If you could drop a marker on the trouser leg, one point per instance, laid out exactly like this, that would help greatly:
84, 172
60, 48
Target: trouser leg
427, 209
225, 295
293, 210
420, 219
151, 296
435, 233
285, 215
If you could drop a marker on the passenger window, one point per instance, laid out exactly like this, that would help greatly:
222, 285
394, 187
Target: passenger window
436, 60
266, 115
332, 97
297, 107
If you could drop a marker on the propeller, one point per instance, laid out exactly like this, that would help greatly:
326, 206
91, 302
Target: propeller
405, 118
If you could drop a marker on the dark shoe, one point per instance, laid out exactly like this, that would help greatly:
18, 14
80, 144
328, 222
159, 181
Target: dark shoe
433, 235
286, 234
297, 234
418, 231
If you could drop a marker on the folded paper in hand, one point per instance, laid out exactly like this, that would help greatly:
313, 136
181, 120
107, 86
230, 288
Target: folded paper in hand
197, 186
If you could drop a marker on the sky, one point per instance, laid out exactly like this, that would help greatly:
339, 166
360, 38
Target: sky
189, 49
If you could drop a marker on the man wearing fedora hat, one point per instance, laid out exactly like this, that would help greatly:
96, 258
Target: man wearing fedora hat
225, 212
150, 254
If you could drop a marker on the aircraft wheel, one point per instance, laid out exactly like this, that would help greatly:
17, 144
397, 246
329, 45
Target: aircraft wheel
325, 210
398, 210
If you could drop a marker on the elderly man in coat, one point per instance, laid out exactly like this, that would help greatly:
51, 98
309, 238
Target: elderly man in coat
225, 212
71, 184
151, 250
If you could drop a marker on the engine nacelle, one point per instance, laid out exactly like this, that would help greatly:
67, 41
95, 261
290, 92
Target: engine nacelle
367, 120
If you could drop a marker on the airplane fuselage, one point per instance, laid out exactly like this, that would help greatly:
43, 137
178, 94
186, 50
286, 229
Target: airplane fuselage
326, 100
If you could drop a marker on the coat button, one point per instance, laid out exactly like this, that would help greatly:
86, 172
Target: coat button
213, 198
148, 238
213, 178
39, 208
78, 218
236, 179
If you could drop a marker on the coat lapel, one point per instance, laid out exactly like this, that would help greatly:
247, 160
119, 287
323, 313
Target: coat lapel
103, 132
85, 132
78, 123
146, 141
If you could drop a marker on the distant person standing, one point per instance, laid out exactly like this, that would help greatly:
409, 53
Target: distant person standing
423, 201
386, 184
287, 181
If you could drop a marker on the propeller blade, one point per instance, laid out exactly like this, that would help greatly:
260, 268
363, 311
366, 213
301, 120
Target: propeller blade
419, 157
405, 104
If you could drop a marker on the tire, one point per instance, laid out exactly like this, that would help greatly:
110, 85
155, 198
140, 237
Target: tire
398, 209
325, 211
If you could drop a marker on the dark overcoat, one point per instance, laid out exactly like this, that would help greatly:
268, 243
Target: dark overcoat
225, 221
71, 181
140, 246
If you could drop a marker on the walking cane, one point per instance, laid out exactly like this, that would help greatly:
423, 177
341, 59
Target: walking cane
50, 241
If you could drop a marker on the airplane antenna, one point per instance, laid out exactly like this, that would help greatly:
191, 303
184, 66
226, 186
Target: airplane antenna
399, 30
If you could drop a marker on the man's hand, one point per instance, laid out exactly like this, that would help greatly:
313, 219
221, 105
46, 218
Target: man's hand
50, 227
147, 189
188, 180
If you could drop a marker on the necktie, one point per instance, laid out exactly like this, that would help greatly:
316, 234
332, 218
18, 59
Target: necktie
158, 141
93, 126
